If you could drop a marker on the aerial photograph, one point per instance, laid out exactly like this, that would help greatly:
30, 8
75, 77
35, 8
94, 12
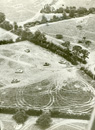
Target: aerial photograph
47, 65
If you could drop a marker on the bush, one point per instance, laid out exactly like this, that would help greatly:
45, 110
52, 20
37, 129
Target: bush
6, 42
20, 117
59, 36
44, 120
6, 25
2, 17
88, 72
58, 114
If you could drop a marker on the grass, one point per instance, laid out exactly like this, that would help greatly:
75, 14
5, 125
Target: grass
19, 10
8, 125
6, 35
41, 96
68, 28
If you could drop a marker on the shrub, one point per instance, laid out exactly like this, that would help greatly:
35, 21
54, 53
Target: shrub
2, 17
20, 117
88, 72
59, 36
6, 42
6, 25
44, 120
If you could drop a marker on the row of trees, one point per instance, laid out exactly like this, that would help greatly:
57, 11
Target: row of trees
2, 42
81, 10
67, 13
44, 120
76, 55
41, 40
88, 72
2, 17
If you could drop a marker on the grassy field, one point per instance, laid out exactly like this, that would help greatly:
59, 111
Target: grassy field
41, 86
69, 30
6, 35
21, 10
77, 3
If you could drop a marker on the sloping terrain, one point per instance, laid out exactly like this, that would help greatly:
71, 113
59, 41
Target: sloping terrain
6, 35
44, 73
71, 32
77, 3
21, 10
69, 29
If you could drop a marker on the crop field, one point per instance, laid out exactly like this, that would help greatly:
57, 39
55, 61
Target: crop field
69, 29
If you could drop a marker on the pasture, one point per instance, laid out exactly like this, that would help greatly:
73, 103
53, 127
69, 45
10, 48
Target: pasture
19, 10
75, 97
6, 35
26, 82
69, 29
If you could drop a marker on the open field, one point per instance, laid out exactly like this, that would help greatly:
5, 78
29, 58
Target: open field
46, 95
14, 57
69, 29
77, 3
21, 10
38, 82
6, 35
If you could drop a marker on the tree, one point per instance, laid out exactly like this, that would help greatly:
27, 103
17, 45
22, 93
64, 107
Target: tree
20, 116
64, 15
60, 10
44, 120
6, 25
44, 19
82, 10
85, 54
39, 37
46, 9
67, 9
92, 10
15, 26
72, 13
2, 17
88, 43
66, 44
77, 50
84, 39
59, 36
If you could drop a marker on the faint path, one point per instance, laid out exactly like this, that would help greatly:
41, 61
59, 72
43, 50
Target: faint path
66, 122
1, 126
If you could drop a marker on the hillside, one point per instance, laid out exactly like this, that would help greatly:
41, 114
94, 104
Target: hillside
77, 3
21, 10
7, 35
51, 70
69, 29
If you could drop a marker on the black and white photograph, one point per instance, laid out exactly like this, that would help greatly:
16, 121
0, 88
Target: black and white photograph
47, 64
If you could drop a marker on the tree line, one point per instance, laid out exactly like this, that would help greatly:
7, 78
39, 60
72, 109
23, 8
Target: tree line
67, 13
40, 39
72, 9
